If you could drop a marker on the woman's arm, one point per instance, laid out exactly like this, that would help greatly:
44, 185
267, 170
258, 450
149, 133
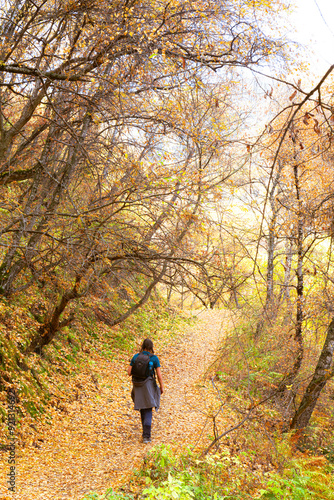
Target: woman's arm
129, 370
158, 370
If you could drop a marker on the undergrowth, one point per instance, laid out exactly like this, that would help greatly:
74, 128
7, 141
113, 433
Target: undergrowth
183, 475
251, 369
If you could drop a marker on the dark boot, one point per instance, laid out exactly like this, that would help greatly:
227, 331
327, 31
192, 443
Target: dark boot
146, 433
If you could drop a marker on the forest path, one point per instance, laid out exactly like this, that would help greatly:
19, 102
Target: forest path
94, 442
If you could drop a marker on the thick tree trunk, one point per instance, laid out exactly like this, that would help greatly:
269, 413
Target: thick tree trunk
322, 373
47, 331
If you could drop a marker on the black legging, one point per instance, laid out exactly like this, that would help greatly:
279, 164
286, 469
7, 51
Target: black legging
146, 420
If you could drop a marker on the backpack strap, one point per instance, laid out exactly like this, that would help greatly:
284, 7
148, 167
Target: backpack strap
153, 370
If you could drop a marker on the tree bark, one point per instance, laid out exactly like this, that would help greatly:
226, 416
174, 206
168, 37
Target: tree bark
300, 281
269, 310
322, 374
285, 289
48, 330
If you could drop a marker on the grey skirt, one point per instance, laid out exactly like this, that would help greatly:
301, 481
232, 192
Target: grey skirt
146, 394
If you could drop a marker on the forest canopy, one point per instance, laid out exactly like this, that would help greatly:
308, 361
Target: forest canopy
130, 165
112, 139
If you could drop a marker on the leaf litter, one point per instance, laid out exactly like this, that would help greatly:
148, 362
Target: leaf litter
94, 443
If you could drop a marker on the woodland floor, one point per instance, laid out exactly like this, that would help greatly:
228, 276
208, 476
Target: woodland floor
94, 442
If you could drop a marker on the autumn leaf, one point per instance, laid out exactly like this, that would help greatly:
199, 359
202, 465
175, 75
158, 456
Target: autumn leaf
316, 127
292, 96
306, 118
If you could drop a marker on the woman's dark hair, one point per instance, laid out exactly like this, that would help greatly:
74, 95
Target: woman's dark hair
147, 345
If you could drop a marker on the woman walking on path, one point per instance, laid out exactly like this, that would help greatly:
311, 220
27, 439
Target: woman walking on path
145, 392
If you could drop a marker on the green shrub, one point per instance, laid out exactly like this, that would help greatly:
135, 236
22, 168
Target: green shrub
185, 476
109, 495
172, 488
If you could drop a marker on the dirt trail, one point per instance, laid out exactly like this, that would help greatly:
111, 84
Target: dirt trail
95, 443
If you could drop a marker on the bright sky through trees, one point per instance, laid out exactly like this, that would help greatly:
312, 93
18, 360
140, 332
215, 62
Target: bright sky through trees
314, 22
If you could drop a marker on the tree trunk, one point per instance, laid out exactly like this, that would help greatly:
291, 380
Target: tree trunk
321, 375
270, 311
269, 303
235, 297
300, 282
270, 262
49, 190
142, 301
48, 330
290, 377
285, 289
